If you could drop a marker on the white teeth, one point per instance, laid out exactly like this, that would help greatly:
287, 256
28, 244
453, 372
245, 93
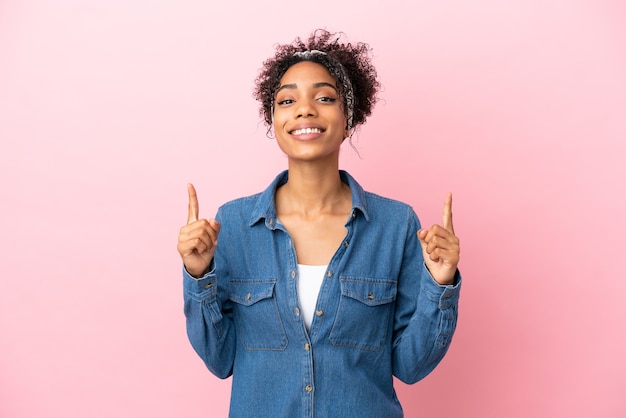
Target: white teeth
306, 131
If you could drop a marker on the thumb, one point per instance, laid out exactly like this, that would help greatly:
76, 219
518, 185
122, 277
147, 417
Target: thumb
428, 260
421, 236
215, 225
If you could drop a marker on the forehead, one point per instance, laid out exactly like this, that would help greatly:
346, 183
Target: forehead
307, 71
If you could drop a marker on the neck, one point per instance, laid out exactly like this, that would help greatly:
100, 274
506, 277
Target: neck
312, 189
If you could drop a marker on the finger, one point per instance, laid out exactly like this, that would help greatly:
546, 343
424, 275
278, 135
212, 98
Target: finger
433, 256
447, 213
450, 257
190, 235
206, 230
442, 243
215, 227
421, 236
193, 246
193, 204
437, 231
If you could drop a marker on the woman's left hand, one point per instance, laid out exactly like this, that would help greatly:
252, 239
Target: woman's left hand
441, 247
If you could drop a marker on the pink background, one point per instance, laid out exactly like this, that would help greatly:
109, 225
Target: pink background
108, 108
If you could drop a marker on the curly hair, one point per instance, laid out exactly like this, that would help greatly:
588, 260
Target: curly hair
342, 60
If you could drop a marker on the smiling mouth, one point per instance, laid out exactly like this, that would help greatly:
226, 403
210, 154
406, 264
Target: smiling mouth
306, 131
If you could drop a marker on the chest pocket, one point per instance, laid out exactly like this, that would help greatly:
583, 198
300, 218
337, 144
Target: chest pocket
257, 319
365, 309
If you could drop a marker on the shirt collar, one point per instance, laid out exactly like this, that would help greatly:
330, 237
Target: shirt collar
265, 207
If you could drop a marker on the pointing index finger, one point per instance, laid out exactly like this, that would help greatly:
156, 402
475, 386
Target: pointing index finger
193, 204
447, 213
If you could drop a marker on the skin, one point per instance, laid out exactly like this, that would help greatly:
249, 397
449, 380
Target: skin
314, 204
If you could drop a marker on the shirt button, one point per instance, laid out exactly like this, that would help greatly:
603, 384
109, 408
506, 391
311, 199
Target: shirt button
346, 243
329, 274
293, 274
370, 296
307, 346
319, 312
308, 388
297, 311
248, 296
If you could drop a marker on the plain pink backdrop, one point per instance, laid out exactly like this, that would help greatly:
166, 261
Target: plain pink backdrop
108, 108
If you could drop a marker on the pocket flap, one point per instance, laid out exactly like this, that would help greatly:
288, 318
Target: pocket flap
249, 292
371, 292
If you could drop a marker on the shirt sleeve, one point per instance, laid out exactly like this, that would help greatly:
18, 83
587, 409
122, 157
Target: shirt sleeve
426, 313
208, 313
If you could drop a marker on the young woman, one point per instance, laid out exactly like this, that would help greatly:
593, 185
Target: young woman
318, 292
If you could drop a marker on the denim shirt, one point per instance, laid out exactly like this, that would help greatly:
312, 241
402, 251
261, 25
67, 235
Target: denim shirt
379, 313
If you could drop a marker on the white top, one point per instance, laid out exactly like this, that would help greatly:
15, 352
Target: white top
310, 280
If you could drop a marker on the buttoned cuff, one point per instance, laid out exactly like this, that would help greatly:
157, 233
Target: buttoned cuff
445, 296
203, 287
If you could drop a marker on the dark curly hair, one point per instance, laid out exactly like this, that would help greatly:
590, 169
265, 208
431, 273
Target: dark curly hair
341, 59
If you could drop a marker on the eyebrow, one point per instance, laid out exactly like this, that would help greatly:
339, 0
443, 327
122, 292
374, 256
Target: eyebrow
315, 86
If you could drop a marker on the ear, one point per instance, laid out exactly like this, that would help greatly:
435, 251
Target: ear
348, 132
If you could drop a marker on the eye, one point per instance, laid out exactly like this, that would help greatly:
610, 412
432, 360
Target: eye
285, 102
327, 99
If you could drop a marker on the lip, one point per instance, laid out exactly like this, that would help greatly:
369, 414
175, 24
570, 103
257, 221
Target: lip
306, 126
306, 136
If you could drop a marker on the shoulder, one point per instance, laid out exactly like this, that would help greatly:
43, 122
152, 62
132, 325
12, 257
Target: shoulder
240, 202
255, 206
239, 206
388, 203
380, 209
368, 201
390, 210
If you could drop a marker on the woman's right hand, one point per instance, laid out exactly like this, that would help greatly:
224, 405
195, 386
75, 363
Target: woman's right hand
197, 240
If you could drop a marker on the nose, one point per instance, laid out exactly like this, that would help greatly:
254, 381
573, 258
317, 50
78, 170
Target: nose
305, 108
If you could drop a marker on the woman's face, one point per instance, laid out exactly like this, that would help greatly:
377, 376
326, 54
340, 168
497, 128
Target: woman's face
309, 121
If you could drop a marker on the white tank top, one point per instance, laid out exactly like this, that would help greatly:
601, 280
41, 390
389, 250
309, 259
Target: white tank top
310, 280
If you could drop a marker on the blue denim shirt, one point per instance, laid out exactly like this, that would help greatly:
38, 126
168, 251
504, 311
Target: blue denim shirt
379, 312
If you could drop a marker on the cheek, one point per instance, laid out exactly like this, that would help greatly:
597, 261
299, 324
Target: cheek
341, 120
279, 118
281, 142
279, 131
